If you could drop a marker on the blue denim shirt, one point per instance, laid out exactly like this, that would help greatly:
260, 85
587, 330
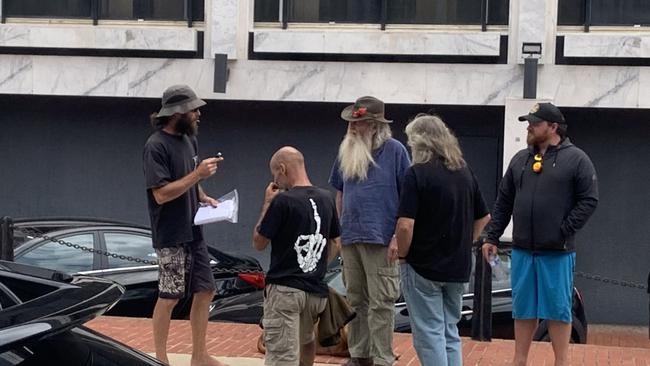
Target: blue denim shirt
370, 206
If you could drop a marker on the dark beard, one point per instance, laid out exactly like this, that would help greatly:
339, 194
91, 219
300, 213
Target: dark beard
184, 126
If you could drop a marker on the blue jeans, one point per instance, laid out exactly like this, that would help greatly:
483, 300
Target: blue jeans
434, 311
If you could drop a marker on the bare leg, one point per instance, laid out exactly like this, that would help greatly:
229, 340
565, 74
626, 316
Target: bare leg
308, 354
199, 322
524, 330
560, 333
161, 318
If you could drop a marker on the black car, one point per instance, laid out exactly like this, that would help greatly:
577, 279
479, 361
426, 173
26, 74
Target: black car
41, 317
123, 253
502, 323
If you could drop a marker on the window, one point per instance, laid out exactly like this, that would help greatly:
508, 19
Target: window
267, 10
108, 9
60, 257
149, 9
397, 11
604, 12
136, 246
571, 12
446, 12
340, 11
49, 8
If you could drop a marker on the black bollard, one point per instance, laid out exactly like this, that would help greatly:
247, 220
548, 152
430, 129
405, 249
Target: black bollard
482, 306
6, 239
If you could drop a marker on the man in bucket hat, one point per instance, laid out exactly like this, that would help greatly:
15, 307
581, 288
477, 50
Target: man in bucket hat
172, 172
550, 190
367, 176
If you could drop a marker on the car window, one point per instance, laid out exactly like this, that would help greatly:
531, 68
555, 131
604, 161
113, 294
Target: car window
131, 245
60, 257
501, 280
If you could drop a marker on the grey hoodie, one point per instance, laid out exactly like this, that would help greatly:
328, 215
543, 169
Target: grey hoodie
549, 207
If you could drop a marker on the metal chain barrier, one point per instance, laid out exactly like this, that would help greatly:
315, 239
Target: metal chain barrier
611, 280
37, 235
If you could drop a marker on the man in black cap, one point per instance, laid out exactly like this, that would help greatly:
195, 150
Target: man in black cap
550, 190
172, 172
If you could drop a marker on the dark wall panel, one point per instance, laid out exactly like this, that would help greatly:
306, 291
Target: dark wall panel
76, 156
614, 243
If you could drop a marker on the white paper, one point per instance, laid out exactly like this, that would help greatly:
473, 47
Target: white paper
207, 214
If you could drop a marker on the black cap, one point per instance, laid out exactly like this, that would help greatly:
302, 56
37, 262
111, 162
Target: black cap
544, 112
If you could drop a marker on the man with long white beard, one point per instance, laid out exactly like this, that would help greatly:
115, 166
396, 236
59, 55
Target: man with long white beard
367, 175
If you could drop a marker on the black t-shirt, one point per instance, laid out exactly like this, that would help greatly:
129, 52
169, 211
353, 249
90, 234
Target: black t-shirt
299, 223
444, 205
167, 158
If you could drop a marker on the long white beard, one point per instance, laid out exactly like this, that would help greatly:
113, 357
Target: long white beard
355, 156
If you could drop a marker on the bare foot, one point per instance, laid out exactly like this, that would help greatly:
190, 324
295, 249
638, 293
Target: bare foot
206, 360
163, 359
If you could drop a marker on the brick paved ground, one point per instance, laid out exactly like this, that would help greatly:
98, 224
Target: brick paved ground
239, 340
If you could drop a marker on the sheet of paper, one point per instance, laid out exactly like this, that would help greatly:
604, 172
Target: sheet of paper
207, 214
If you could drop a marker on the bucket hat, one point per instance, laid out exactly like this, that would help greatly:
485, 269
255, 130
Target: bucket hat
365, 108
179, 99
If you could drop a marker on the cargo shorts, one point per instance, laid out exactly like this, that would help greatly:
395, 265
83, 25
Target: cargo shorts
182, 268
289, 318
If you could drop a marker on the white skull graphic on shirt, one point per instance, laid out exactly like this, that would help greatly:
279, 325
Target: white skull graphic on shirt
311, 249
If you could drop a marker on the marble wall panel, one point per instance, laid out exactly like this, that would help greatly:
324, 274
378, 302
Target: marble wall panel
100, 37
98, 76
605, 45
580, 86
16, 74
378, 42
590, 86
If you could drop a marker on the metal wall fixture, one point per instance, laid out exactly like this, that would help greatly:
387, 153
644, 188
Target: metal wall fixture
533, 52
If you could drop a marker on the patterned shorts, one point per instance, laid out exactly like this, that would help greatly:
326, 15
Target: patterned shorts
182, 268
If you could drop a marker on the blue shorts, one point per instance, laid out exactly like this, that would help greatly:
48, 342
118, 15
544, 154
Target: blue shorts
542, 285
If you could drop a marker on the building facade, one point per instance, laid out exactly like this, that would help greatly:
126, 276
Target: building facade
78, 79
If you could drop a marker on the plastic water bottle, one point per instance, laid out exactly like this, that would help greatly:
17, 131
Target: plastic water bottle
497, 268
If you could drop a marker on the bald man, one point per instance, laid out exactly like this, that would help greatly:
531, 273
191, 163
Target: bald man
301, 224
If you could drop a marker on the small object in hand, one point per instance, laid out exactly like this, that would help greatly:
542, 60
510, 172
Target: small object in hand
219, 155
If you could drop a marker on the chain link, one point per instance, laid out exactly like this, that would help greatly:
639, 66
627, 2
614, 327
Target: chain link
611, 280
37, 235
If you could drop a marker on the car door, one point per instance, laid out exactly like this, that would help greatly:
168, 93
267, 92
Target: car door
64, 258
139, 279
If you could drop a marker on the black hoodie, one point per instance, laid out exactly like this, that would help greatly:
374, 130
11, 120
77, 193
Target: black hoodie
548, 207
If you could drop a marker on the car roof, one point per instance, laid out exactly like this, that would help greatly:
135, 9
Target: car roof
59, 222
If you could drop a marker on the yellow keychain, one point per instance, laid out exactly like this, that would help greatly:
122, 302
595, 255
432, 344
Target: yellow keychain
537, 165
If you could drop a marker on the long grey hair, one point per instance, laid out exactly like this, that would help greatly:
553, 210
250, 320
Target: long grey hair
429, 139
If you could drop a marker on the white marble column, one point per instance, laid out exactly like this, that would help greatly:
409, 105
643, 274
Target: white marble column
532, 21
223, 27
514, 134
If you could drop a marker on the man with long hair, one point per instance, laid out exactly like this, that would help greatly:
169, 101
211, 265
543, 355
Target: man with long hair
367, 176
441, 214
550, 190
172, 172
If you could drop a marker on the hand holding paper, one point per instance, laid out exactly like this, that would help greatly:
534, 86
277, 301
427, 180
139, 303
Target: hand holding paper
227, 210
